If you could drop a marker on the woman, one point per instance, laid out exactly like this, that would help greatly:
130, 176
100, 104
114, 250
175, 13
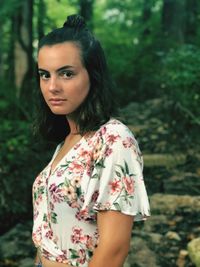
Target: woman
86, 199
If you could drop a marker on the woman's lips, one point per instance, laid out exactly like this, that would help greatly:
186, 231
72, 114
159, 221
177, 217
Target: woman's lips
56, 101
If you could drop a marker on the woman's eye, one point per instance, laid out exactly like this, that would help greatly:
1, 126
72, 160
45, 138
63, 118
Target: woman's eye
67, 74
44, 75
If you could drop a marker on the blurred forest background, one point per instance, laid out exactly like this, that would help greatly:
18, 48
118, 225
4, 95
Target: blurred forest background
153, 51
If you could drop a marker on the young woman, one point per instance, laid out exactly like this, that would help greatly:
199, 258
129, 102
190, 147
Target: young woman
86, 199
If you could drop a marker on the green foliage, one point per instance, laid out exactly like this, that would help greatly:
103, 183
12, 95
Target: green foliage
13, 161
22, 157
131, 54
180, 79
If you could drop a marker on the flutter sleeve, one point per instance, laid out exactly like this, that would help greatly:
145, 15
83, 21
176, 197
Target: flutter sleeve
119, 175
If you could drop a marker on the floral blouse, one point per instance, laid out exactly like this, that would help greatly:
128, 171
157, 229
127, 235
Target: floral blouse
101, 172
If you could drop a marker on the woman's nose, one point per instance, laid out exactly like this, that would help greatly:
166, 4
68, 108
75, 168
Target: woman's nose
53, 84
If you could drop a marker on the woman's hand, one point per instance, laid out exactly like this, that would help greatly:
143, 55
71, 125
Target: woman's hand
115, 233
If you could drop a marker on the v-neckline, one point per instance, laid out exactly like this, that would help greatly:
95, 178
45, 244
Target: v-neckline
52, 171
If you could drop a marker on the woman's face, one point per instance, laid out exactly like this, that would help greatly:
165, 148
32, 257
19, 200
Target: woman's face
64, 81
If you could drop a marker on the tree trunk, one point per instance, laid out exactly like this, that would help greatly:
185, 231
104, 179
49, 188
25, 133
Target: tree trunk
173, 20
192, 20
1, 51
23, 48
10, 57
146, 15
41, 15
86, 10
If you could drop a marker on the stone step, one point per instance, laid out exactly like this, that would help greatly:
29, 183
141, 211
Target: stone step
164, 160
169, 203
136, 129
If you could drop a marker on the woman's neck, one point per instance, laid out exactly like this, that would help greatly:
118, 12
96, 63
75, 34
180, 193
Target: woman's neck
73, 127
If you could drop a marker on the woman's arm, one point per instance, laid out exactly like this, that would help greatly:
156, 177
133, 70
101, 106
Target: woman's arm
36, 260
115, 233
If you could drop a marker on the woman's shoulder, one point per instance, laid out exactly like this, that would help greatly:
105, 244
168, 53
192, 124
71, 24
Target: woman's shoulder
115, 127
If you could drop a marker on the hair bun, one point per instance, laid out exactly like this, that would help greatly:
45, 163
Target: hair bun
75, 21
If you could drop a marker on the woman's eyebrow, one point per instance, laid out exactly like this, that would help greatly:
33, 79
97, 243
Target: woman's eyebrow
42, 70
60, 69
64, 68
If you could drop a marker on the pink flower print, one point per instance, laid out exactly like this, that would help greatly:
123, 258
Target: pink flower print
89, 242
39, 200
115, 186
59, 173
38, 180
95, 196
112, 138
128, 184
49, 234
77, 235
108, 151
75, 167
35, 214
82, 256
84, 154
82, 214
45, 225
103, 131
51, 205
128, 142
69, 192
74, 205
56, 193
62, 258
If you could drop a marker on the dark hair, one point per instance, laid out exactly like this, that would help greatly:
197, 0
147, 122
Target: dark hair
98, 106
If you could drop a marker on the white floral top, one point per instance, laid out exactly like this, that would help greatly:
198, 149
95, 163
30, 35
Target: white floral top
101, 172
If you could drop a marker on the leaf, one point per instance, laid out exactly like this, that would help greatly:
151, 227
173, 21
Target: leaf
117, 206
118, 173
95, 176
74, 254
54, 217
121, 167
45, 218
126, 167
78, 191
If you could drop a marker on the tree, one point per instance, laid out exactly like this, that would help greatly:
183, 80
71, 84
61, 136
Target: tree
24, 48
146, 15
86, 10
192, 20
173, 20
41, 9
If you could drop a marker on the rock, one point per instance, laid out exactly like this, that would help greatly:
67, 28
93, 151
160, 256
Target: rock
155, 238
28, 262
151, 224
17, 243
140, 254
170, 204
173, 235
194, 251
167, 160
182, 183
181, 261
